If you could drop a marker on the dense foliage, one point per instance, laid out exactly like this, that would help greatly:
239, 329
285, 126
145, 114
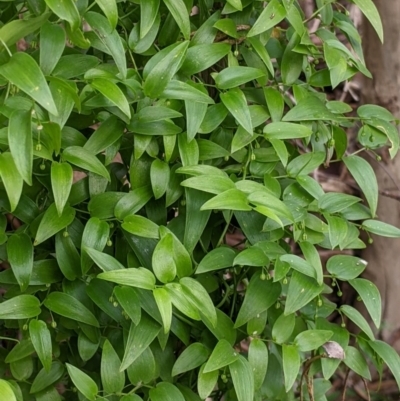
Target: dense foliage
160, 227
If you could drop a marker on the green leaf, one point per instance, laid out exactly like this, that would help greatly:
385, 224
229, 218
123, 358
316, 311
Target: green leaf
156, 113
222, 355
159, 177
103, 260
235, 101
84, 383
139, 338
369, 9
95, 235
23, 72
251, 257
113, 93
260, 295
232, 77
66, 305
182, 302
112, 379
41, 340
140, 226
282, 130
283, 328
312, 256
345, 267
11, 178
243, 379
108, 133
371, 297
144, 369
270, 17
335, 203
86, 160
61, 182
381, 228
20, 257
178, 10
45, 379
52, 222
206, 382
20, 307
191, 358
134, 277
109, 8
17, 29
365, 177
291, 364
232, 199
337, 230
109, 38
163, 301
214, 184
132, 202
389, 356
263, 198
355, 360
129, 302
148, 15
198, 294
258, 359
302, 289
165, 391
66, 10
310, 340
20, 143
227, 26
159, 77
6, 391
200, 57
358, 319
52, 42
310, 108
219, 258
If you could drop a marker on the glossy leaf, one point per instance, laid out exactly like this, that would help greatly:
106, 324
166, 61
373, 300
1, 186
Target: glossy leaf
129, 301
52, 223
7, 391
365, 177
381, 228
84, 383
164, 70
20, 257
66, 305
235, 101
358, 319
140, 226
86, 160
61, 182
11, 179
52, 41
113, 93
139, 338
109, 8
112, 379
21, 144
371, 297
41, 340
243, 380
192, 357
163, 301
178, 10
206, 382
23, 72
233, 77
134, 277
291, 364
165, 392
20, 307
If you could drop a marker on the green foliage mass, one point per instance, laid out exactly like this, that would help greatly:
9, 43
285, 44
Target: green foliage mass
135, 135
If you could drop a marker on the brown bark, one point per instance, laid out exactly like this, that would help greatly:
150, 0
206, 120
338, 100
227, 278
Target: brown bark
383, 256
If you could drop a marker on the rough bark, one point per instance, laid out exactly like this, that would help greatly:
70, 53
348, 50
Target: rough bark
383, 256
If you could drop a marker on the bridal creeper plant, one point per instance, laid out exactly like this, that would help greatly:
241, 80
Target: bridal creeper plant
137, 137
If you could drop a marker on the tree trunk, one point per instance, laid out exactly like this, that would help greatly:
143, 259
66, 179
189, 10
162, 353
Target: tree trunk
383, 256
